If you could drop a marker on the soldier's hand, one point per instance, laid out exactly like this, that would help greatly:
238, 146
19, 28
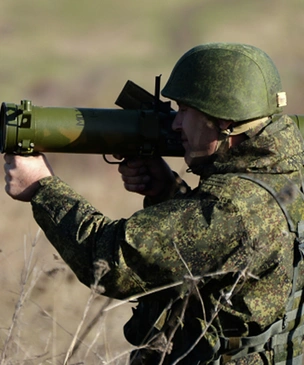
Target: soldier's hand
22, 174
150, 176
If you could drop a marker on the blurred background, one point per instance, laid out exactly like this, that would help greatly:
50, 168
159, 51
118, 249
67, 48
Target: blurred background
81, 53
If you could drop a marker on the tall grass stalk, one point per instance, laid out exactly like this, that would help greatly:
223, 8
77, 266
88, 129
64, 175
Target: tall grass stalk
24, 294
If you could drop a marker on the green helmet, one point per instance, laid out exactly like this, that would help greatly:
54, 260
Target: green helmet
228, 81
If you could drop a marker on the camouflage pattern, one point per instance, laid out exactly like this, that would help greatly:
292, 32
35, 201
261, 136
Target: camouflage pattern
226, 80
226, 242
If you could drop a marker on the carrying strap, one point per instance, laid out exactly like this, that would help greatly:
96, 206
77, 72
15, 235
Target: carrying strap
291, 201
275, 337
284, 334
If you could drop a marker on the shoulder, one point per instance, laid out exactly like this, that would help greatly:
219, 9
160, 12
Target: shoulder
247, 196
231, 186
287, 127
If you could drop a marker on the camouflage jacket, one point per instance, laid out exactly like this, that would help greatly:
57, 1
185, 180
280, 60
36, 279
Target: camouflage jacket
224, 248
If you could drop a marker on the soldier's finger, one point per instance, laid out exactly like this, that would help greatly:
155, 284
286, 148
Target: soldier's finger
126, 170
118, 157
135, 188
8, 158
136, 180
135, 162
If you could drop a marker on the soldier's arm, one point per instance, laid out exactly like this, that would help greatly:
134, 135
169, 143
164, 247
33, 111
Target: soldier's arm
157, 246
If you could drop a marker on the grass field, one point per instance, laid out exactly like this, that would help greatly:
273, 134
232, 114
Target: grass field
80, 53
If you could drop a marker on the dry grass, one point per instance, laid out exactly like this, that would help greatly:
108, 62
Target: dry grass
45, 325
81, 53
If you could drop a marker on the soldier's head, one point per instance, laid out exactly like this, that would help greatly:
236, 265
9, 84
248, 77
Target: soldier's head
225, 87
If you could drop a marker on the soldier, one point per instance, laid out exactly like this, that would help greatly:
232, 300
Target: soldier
213, 267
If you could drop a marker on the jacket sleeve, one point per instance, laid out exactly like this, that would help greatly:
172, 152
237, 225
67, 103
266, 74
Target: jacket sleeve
156, 246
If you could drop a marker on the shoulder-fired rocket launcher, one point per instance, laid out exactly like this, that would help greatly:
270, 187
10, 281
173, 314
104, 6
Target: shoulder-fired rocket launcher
141, 127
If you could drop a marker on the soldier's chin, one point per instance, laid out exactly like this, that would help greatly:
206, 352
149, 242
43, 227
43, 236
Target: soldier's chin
196, 158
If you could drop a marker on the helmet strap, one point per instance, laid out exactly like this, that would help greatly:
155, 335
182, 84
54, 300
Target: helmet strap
243, 127
222, 145
236, 129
